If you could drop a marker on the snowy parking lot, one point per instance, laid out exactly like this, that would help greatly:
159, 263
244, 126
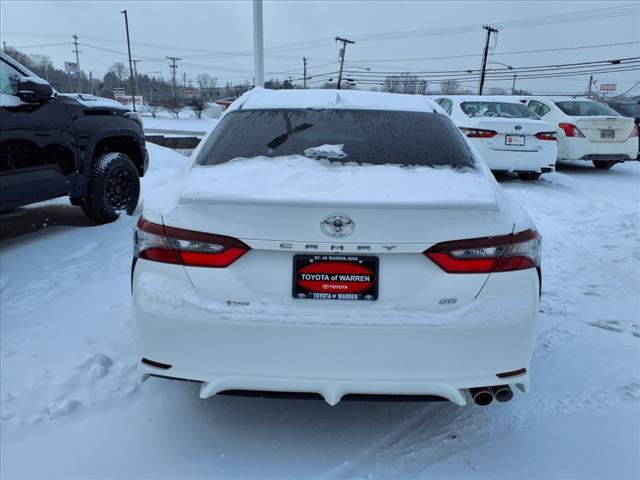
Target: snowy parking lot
71, 405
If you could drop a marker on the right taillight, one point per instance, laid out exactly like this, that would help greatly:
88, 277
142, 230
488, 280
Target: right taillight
570, 130
478, 132
163, 244
546, 136
502, 253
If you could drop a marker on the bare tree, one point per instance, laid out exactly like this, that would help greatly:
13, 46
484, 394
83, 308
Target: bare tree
206, 81
497, 91
153, 108
119, 69
405, 83
450, 87
41, 62
197, 105
173, 106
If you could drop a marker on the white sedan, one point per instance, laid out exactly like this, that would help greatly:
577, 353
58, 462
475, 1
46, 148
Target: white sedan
509, 138
339, 243
588, 130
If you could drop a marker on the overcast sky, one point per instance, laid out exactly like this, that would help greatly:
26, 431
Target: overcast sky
204, 32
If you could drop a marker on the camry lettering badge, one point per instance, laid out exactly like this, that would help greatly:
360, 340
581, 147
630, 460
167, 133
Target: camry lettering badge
337, 226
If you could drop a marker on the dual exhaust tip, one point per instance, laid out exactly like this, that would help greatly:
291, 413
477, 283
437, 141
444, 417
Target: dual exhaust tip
483, 396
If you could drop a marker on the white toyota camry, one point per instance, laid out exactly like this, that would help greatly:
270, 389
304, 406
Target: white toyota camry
337, 243
509, 138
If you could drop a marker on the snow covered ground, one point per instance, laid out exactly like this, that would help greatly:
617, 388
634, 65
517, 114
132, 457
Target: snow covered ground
70, 405
186, 125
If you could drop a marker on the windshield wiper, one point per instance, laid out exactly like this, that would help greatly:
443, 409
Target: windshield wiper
279, 140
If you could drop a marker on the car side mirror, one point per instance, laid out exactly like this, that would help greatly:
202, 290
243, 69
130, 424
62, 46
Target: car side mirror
34, 90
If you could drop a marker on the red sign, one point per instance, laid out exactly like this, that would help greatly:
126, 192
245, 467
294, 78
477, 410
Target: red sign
335, 277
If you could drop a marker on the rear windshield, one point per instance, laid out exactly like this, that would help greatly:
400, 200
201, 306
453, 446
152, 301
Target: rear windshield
582, 108
496, 109
361, 136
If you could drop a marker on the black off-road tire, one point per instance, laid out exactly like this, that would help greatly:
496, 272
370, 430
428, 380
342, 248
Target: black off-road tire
529, 176
113, 186
600, 165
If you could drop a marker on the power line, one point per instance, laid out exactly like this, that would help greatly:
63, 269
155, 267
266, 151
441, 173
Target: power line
624, 93
515, 69
471, 55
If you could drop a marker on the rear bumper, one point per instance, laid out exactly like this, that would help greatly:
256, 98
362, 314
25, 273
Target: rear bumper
583, 149
540, 161
336, 358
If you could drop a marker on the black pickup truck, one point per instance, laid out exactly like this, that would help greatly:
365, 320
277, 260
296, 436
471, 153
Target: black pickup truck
53, 145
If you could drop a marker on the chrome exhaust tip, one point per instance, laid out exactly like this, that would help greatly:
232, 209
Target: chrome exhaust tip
482, 396
502, 393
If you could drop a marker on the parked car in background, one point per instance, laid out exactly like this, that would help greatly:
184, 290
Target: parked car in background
627, 109
352, 244
54, 145
508, 136
588, 130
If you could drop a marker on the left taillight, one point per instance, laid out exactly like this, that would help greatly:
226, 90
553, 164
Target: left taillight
160, 243
634, 131
478, 132
502, 253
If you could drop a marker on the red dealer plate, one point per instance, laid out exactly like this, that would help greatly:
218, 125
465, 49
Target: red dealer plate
335, 277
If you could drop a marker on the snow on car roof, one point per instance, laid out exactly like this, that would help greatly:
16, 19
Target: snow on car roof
482, 98
558, 98
261, 98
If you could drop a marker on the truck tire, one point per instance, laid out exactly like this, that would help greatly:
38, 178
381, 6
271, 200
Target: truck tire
113, 186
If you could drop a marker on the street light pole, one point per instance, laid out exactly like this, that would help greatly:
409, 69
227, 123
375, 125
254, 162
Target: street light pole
258, 46
133, 82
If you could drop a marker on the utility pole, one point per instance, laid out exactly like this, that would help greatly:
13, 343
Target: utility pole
174, 69
4, 45
258, 46
513, 85
133, 81
345, 42
184, 79
489, 30
91, 82
590, 83
304, 75
75, 41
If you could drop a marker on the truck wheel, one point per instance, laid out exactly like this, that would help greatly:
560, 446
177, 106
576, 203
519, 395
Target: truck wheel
113, 187
600, 165
529, 175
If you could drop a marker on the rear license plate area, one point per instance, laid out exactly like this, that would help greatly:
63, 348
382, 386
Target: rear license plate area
607, 134
515, 140
335, 277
